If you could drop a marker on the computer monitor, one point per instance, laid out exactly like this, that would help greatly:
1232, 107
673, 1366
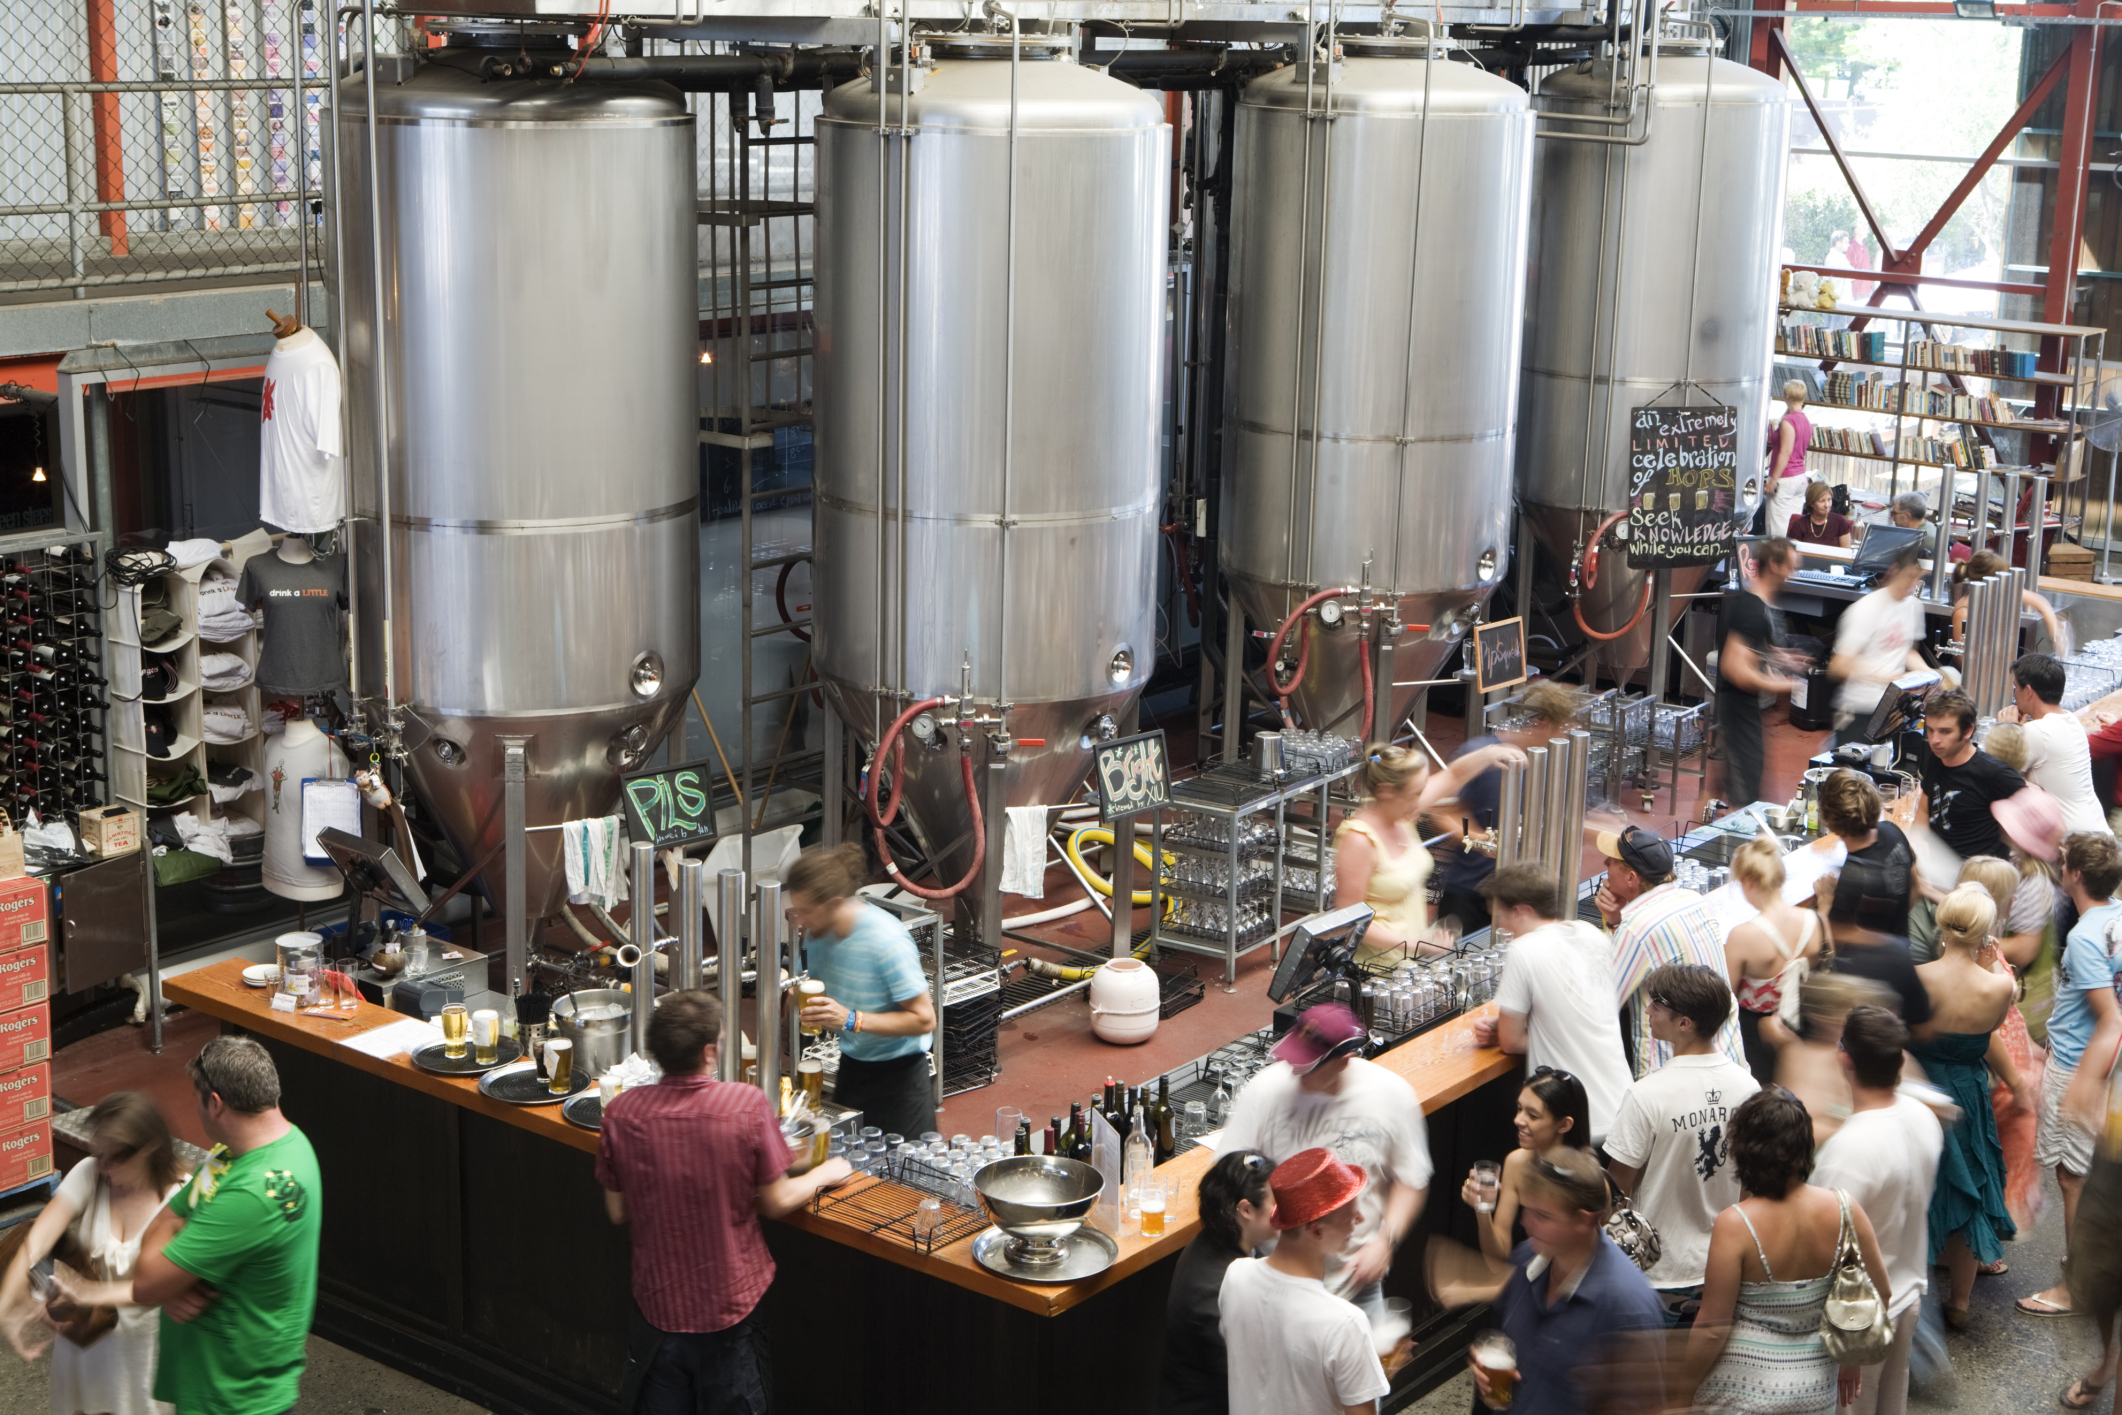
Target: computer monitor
1881, 543
1322, 947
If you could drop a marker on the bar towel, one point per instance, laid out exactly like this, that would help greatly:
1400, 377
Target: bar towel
1024, 852
594, 872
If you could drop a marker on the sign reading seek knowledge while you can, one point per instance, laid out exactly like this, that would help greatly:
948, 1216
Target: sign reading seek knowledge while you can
1683, 485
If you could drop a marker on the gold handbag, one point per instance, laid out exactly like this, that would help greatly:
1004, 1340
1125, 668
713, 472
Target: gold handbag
1854, 1325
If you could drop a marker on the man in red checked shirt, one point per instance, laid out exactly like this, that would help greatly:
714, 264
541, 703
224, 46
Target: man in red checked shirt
689, 1165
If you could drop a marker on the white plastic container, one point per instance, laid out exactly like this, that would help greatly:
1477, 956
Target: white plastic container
1124, 1000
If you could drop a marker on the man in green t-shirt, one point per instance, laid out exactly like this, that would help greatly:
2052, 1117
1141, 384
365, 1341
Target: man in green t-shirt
232, 1261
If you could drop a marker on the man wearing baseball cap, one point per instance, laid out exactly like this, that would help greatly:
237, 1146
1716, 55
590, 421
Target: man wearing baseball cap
1321, 1094
1295, 1348
1656, 922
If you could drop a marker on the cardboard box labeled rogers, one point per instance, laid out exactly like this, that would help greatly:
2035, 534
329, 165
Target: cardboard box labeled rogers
25, 912
25, 1096
25, 1037
25, 1155
25, 979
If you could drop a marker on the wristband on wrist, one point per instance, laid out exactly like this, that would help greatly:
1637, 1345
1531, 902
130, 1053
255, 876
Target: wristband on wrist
853, 1022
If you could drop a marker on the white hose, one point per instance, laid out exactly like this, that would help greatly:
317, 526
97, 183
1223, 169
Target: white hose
1046, 916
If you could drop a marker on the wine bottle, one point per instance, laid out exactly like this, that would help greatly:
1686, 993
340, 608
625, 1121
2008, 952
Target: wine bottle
1166, 1134
1136, 1156
1053, 1138
1024, 1137
1068, 1133
1111, 1107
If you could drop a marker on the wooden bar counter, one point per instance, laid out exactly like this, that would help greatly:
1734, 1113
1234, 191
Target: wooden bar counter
465, 1242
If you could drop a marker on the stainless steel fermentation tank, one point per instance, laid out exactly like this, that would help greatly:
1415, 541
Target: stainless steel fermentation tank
1652, 267
1011, 414
1376, 289
539, 336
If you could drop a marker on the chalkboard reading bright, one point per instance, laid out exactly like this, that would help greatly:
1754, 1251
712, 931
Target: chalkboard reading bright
671, 806
1133, 775
1683, 485
1499, 654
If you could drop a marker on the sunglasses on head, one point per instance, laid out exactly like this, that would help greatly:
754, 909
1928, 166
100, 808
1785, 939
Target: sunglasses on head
1555, 1071
1257, 1164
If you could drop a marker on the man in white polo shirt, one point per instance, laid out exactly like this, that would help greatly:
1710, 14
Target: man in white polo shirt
1555, 1003
2058, 755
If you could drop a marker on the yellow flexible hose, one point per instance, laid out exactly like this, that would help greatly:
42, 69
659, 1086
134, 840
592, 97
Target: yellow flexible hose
1102, 835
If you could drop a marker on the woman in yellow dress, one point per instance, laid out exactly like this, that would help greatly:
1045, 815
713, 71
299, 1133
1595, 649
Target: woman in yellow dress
1378, 854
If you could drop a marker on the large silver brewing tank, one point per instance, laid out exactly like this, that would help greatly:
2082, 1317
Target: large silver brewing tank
1078, 631
540, 329
1412, 267
1680, 237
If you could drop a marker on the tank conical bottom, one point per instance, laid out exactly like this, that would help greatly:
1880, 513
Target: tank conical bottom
1608, 604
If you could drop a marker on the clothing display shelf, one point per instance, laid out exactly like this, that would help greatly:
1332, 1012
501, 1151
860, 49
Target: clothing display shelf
55, 720
1922, 342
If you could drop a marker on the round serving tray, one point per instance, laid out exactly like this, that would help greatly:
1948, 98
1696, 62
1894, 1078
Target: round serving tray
585, 1110
433, 1057
522, 1085
1090, 1252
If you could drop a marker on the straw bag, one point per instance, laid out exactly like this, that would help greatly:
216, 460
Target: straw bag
1854, 1325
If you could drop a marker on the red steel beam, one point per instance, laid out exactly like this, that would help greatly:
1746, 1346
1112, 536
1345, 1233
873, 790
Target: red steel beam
1781, 44
104, 118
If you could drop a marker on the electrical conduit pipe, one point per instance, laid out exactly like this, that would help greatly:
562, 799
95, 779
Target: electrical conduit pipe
884, 815
1588, 574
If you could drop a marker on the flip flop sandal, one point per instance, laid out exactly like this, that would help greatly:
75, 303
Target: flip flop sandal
2042, 1307
2091, 1394
1997, 1269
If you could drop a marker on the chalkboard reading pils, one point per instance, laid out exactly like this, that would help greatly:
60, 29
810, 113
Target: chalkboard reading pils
1683, 485
671, 806
1133, 775
1499, 654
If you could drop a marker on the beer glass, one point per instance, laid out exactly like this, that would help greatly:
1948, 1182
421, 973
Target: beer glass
456, 1022
486, 1036
1152, 1196
561, 1065
809, 990
1496, 1362
1488, 1183
812, 1076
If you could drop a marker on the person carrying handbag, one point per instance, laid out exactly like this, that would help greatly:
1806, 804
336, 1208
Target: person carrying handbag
1785, 1324
103, 1358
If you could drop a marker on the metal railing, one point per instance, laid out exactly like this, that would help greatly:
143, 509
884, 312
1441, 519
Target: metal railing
172, 141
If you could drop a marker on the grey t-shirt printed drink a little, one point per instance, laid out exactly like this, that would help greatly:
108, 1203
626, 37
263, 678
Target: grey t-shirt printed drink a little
302, 649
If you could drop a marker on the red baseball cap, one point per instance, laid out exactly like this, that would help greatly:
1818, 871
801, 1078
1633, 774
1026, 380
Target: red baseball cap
1328, 1030
1311, 1184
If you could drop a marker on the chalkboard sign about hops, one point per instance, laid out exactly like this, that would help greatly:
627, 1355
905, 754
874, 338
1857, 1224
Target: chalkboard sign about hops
1684, 484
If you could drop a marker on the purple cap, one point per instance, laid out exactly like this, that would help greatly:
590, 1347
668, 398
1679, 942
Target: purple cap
1328, 1030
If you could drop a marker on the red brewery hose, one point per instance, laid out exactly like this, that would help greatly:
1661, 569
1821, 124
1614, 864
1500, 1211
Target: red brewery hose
781, 598
1304, 653
1588, 574
890, 745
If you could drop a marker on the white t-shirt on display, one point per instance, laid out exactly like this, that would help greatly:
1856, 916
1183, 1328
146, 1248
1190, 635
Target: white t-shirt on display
1887, 1162
1294, 1348
1560, 978
301, 478
2059, 761
1675, 1126
1374, 1120
1877, 631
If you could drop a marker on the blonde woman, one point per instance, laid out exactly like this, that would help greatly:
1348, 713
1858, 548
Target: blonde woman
1378, 854
1817, 523
1793, 434
1767, 955
2012, 1057
1969, 1000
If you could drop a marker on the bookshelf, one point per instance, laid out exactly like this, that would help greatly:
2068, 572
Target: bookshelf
1924, 420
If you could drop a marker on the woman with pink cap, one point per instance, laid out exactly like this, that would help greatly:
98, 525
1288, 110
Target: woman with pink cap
2031, 822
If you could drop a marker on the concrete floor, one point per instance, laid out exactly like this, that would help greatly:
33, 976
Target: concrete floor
337, 1382
2006, 1363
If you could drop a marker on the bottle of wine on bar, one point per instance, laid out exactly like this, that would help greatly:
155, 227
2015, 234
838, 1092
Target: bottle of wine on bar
1136, 1156
1053, 1138
1165, 1134
1024, 1137
1068, 1136
1111, 1107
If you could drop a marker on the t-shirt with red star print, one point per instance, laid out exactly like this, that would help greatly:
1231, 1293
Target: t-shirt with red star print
301, 484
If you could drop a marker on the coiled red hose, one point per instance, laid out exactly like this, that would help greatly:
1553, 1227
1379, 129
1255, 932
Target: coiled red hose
891, 746
1304, 653
781, 599
1588, 574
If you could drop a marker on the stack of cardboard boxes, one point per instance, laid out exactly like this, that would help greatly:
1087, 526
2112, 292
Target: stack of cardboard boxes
25, 1032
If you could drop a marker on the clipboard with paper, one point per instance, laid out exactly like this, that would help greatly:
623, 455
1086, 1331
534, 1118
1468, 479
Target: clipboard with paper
328, 803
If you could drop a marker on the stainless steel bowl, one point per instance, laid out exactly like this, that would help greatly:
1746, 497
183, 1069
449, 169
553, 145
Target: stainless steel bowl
606, 1039
1038, 1200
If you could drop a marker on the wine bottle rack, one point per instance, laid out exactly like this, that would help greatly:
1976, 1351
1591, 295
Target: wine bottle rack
52, 730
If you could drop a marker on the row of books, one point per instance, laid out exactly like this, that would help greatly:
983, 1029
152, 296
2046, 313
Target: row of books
1811, 341
1881, 394
1959, 358
1869, 346
1939, 451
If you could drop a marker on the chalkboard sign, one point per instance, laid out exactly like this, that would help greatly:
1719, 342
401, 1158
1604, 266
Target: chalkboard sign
1499, 654
1683, 485
671, 806
1133, 775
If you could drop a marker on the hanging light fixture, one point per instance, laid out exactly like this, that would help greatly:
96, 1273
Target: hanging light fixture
37, 475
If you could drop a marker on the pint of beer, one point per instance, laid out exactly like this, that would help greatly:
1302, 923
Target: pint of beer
486, 1036
560, 1063
811, 1074
1496, 1368
456, 1022
809, 990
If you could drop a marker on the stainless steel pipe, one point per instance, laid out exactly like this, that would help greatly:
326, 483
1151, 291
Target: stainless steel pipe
691, 925
643, 922
2036, 526
1555, 829
1510, 805
729, 953
768, 932
1569, 868
1532, 840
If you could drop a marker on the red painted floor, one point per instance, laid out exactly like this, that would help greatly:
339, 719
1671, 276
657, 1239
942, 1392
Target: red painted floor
1048, 1058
